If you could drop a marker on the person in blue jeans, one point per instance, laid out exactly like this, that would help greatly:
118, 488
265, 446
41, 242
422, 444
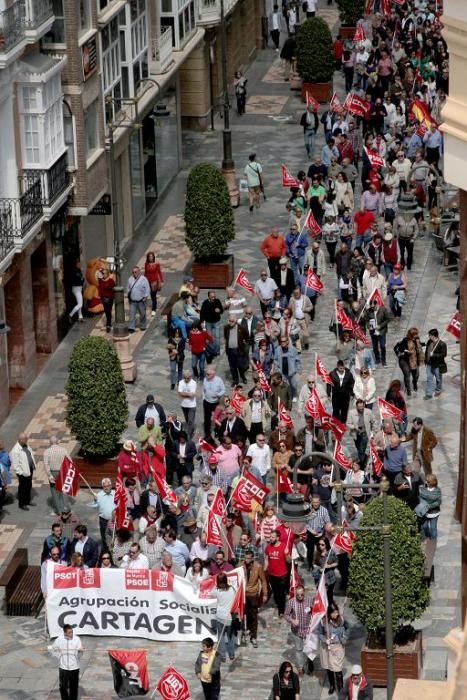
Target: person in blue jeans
435, 363
429, 507
296, 245
225, 594
138, 292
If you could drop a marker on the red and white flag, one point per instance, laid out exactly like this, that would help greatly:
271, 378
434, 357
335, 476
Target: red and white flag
213, 531
238, 603
313, 406
218, 506
242, 281
130, 672
376, 161
204, 445
295, 580
248, 489
287, 179
236, 402
454, 326
335, 105
172, 685
375, 296
321, 371
312, 225
328, 422
122, 519
283, 483
376, 463
359, 35
344, 541
342, 319
67, 480
340, 456
263, 382
385, 7
359, 334
318, 612
166, 493
313, 281
311, 101
283, 414
387, 410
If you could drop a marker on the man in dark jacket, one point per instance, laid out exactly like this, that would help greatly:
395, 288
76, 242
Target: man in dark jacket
85, 546
236, 348
310, 123
435, 363
285, 278
377, 318
150, 409
357, 686
233, 426
211, 313
341, 391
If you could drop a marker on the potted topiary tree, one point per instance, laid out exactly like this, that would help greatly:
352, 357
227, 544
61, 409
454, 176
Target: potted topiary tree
210, 226
410, 593
315, 59
97, 409
350, 11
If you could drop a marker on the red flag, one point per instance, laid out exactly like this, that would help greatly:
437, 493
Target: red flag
242, 281
376, 161
312, 225
284, 485
419, 111
218, 506
454, 328
344, 541
359, 35
342, 319
236, 403
313, 406
376, 462
421, 130
213, 532
295, 580
370, 6
313, 281
164, 489
321, 371
238, 603
130, 672
206, 587
172, 685
283, 414
287, 179
318, 612
122, 520
263, 382
358, 333
356, 105
375, 296
248, 488
386, 7
310, 100
204, 445
387, 410
335, 105
67, 480
340, 456
328, 422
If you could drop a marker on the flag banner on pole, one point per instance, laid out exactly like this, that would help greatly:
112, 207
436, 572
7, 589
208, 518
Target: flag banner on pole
283, 414
375, 296
287, 179
204, 445
312, 225
295, 580
455, 325
242, 281
313, 406
263, 382
283, 483
321, 371
166, 493
328, 422
312, 281
218, 506
376, 161
122, 519
359, 35
387, 410
236, 403
335, 105
376, 463
318, 612
311, 101
359, 334
130, 672
342, 319
248, 488
344, 541
420, 112
385, 7
172, 685
213, 531
356, 105
238, 603
340, 456
67, 480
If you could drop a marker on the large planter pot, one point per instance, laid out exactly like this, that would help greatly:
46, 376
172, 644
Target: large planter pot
347, 32
96, 469
320, 91
215, 275
408, 661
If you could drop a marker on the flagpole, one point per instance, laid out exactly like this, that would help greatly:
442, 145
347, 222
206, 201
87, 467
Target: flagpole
337, 324
87, 484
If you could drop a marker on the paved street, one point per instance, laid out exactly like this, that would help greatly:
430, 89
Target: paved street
270, 127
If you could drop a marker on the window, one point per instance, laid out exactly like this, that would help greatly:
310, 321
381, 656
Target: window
180, 15
57, 33
69, 136
41, 118
85, 19
31, 149
90, 126
111, 67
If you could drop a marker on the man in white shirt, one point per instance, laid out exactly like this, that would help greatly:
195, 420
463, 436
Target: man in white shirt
264, 289
67, 648
187, 392
135, 559
54, 560
260, 454
105, 506
275, 26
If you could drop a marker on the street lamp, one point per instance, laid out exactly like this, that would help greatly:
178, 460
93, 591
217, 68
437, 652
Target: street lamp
228, 165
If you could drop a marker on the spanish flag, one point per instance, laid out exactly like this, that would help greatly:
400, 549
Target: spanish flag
421, 113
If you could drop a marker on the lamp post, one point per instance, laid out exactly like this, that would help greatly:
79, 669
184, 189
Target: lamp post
228, 165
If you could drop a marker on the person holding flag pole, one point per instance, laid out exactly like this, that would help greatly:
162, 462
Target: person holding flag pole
298, 615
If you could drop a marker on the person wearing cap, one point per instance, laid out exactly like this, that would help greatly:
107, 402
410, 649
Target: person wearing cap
285, 278
214, 471
356, 686
152, 409
397, 290
391, 252
68, 521
127, 461
53, 459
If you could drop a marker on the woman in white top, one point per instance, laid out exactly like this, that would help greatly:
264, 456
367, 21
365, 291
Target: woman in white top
356, 477
225, 594
344, 193
365, 387
196, 573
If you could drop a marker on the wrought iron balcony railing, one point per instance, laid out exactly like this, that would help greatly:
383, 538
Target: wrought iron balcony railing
37, 12
12, 26
53, 182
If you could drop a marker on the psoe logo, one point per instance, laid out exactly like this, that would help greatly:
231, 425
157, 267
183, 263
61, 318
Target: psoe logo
65, 577
162, 580
137, 579
90, 578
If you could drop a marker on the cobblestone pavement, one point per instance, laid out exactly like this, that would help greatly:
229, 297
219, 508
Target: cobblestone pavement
27, 672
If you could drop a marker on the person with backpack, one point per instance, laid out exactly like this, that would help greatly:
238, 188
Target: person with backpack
435, 362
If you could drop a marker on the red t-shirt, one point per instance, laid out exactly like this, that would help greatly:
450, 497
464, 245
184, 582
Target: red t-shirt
197, 340
277, 565
363, 221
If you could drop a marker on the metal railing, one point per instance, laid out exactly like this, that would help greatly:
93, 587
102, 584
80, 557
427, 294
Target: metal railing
162, 51
209, 11
18, 215
12, 25
53, 182
37, 12
7, 239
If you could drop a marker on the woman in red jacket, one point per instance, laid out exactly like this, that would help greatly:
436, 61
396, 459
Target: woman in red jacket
153, 274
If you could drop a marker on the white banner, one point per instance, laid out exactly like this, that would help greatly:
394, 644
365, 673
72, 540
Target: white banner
148, 604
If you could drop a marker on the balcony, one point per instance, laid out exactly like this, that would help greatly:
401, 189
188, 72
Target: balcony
54, 185
18, 218
162, 52
11, 26
209, 11
38, 18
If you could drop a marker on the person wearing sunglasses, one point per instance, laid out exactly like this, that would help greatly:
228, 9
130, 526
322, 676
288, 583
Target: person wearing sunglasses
285, 683
105, 561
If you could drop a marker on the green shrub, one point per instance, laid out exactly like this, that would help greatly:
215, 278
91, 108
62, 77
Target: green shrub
315, 54
97, 410
350, 11
410, 593
209, 217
